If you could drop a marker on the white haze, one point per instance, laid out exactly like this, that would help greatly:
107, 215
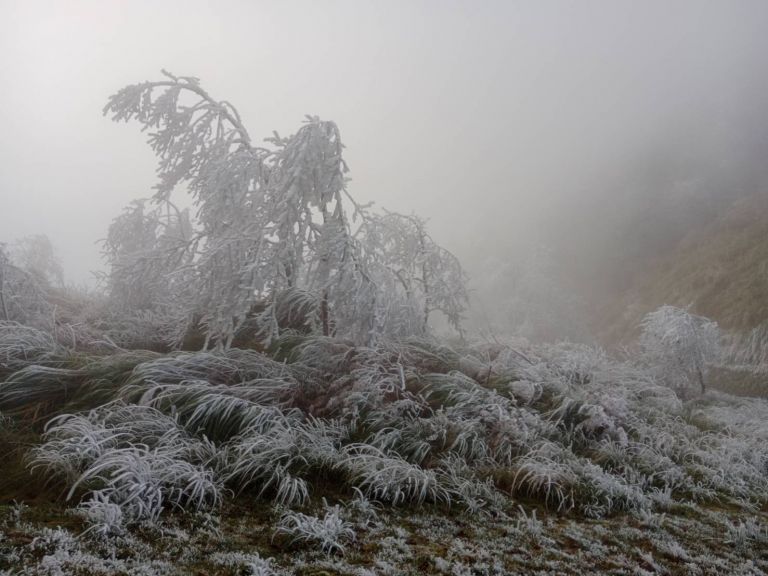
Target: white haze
494, 120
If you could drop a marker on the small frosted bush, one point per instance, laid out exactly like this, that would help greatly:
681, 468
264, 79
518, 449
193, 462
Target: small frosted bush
328, 533
680, 346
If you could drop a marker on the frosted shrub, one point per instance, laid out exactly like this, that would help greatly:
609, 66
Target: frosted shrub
144, 482
389, 478
544, 473
528, 524
51, 540
743, 534
274, 456
362, 509
104, 516
22, 296
465, 488
329, 532
401, 423
72, 443
680, 346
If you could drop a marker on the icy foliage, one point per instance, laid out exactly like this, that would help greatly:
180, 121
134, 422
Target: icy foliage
32, 295
680, 346
134, 458
104, 516
276, 455
319, 381
22, 296
22, 345
391, 478
140, 280
328, 533
272, 241
413, 274
35, 255
149, 254
253, 563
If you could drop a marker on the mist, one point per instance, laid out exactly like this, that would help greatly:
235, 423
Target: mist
515, 128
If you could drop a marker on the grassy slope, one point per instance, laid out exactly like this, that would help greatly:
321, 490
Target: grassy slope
720, 269
703, 511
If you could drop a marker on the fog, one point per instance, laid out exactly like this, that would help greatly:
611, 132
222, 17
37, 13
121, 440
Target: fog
509, 125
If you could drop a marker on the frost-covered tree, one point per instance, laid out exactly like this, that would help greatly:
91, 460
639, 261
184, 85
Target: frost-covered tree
680, 346
272, 238
146, 248
22, 297
35, 254
415, 275
149, 251
532, 298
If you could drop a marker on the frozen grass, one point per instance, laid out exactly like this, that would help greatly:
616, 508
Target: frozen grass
391, 478
416, 426
253, 564
22, 345
105, 517
275, 455
393, 541
133, 457
39, 385
328, 533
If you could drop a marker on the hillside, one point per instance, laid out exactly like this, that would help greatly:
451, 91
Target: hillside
412, 457
719, 268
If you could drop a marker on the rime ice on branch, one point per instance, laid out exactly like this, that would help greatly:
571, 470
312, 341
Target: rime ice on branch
272, 239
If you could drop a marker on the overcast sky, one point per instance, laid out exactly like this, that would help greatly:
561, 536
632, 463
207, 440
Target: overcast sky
475, 114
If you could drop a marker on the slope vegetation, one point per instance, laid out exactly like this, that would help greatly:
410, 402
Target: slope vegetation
719, 268
369, 460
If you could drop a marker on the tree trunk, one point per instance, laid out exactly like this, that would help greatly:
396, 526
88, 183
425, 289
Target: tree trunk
324, 314
3, 305
425, 279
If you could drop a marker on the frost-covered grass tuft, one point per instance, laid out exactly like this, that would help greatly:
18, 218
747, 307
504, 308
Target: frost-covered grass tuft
22, 345
105, 517
254, 564
329, 533
390, 478
131, 457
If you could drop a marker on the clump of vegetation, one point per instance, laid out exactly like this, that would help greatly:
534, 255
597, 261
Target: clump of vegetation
329, 532
680, 346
